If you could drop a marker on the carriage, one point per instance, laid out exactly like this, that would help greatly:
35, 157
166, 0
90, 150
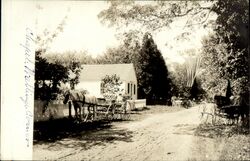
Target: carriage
223, 108
90, 108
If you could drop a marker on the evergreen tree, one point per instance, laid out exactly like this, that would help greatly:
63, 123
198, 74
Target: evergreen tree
153, 82
228, 91
196, 91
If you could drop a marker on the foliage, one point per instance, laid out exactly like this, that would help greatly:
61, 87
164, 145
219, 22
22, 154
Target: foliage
66, 57
70, 60
178, 79
153, 80
55, 73
111, 86
50, 73
151, 71
154, 15
75, 68
192, 66
181, 89
226, 50
44, 39
127, 52
196, 91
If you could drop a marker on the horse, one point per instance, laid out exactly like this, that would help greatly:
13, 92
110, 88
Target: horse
221, 101
79, 99
231, 112
242, 101
233, 108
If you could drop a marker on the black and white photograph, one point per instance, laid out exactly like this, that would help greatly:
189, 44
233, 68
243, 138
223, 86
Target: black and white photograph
125, 80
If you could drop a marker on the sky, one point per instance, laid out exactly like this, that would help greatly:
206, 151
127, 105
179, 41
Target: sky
84, 32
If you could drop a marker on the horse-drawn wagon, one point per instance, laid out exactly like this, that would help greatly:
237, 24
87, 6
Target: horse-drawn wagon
230, 110
91, 108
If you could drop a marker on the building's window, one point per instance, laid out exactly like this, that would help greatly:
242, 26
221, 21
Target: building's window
131, 88
102, 88
128, 88
134, 89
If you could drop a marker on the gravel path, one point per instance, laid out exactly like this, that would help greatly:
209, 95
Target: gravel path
164, 136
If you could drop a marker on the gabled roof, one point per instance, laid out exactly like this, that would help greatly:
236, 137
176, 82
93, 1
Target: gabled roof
126, 72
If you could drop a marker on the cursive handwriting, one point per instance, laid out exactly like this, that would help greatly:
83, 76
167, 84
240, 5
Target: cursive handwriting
28, 83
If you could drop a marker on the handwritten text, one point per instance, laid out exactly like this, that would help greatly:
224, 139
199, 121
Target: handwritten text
28, 83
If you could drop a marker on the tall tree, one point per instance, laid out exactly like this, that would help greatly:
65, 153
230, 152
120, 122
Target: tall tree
153, 80
226, 51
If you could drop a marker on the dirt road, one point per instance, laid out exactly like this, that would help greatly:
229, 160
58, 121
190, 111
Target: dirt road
164, 136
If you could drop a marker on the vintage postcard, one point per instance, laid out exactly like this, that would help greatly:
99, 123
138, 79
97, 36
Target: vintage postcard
125, 80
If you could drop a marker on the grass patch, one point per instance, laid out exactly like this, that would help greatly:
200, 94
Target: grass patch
234, 140
237, 147
220, 130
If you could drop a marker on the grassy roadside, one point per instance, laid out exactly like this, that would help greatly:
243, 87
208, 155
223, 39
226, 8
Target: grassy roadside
230, 142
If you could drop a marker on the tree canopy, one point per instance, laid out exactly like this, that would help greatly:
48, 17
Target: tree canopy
55, 73
225, 52
154, 15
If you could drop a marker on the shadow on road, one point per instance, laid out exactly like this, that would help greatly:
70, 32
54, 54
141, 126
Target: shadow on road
66, 133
